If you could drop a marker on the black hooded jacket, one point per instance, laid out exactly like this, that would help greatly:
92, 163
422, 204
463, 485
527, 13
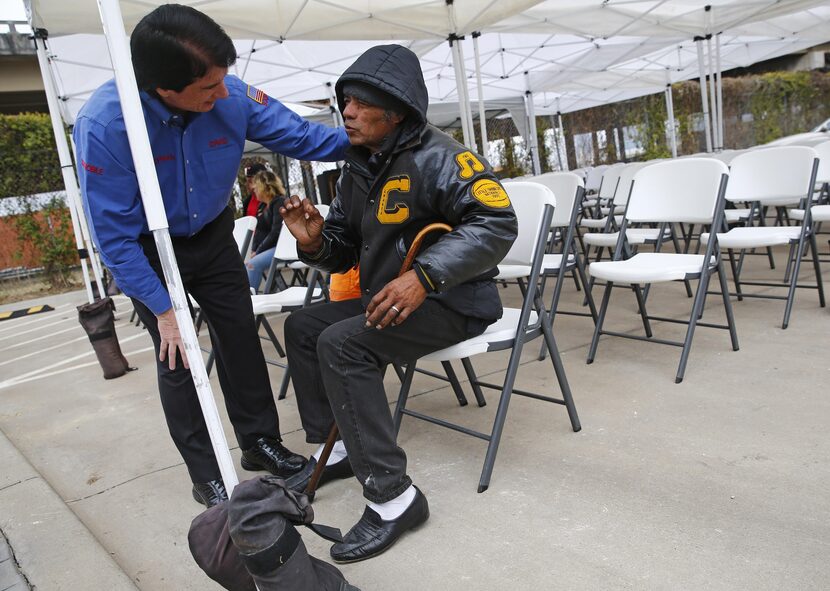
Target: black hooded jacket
421, 176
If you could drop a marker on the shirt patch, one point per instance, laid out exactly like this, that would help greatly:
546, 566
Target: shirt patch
257, 95
220, 141
91, 168
490, 193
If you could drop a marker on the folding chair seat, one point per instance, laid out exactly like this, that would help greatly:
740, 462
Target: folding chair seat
777, 175
534, 209
682, 191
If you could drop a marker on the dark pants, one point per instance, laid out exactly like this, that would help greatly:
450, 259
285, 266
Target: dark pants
337, 365
213, 273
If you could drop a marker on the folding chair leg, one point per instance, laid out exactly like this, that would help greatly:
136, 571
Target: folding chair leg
697, 308
580, 268
286, 379
272, 336
501, 416
793, 282
404, 394
603, 308
559, 369
456, 386
641, 304
727, 306
789, 268
817, 268
471, 375
209, 365
736, 277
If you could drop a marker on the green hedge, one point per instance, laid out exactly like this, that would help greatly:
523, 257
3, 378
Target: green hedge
28, 157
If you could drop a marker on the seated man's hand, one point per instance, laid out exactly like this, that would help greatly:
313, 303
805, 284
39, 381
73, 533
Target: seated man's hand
304, 221
396, 301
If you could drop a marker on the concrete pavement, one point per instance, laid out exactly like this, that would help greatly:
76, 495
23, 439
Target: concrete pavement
716, 483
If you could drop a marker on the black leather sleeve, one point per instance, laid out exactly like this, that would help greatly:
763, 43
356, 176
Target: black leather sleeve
485, 227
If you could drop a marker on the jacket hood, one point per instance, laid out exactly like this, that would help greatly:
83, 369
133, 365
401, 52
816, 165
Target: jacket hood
393, 69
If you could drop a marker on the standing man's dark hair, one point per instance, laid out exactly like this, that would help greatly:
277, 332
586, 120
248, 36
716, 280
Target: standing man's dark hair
175, 44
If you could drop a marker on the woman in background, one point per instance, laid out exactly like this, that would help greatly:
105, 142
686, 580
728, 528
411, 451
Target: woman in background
270, 192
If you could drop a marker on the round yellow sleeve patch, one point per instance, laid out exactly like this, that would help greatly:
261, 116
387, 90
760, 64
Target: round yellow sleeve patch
490, 193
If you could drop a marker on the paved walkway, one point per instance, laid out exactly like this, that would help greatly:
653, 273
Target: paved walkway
718, 483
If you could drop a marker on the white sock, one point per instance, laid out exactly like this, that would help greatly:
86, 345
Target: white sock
393, 509
338, 452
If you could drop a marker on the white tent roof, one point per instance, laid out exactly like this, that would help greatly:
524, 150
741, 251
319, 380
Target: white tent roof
561, 43
299, 19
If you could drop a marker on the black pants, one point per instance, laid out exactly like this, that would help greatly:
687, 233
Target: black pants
337, 365
213, 273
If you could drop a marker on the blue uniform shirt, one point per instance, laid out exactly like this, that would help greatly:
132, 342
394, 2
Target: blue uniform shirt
197, 156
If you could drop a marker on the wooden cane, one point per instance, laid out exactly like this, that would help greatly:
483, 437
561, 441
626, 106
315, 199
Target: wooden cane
311, 488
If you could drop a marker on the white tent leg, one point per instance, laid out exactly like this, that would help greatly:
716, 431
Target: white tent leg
336, 115
94, 259
720, 91
713, 96
157, 220
468, 109
563, 162
482, 117
703, 95
460, 92
533, 141
670, 112
67, 170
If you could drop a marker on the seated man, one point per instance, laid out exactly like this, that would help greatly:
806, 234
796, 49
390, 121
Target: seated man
400, 175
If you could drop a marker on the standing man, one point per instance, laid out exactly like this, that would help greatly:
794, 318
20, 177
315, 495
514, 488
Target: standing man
198, 118
400, 175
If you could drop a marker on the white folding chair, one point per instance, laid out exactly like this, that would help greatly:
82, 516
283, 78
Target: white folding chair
779, 175
534, 209
689, 190
568, 190
243, 234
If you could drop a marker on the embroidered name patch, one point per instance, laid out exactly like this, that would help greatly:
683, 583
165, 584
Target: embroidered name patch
257, 95
490, 193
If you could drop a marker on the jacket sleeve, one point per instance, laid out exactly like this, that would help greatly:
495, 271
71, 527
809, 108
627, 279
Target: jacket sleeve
111, 199
281, 130
470, 197
341, 243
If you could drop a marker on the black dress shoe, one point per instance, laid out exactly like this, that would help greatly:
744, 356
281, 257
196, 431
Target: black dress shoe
273, 456
300, 480
210, 493
372, 535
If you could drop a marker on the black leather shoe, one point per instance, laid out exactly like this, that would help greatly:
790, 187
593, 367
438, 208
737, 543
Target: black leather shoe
273, 456
300, 480
210, 493
372, 535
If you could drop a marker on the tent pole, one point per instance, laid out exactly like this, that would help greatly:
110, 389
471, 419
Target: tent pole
112, 20
720, 91
336, 115
468, 108
459, 91
670, 111
87, 235
703, 95
713, 96
533, 142
67, 168
482, 117
563, 158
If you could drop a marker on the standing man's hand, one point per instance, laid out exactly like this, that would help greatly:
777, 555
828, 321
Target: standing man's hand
396, 301
171, 339
304, 221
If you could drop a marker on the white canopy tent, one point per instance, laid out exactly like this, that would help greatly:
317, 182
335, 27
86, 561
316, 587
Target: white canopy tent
563, 52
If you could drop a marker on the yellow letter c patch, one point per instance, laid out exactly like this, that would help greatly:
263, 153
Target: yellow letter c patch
398, 212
